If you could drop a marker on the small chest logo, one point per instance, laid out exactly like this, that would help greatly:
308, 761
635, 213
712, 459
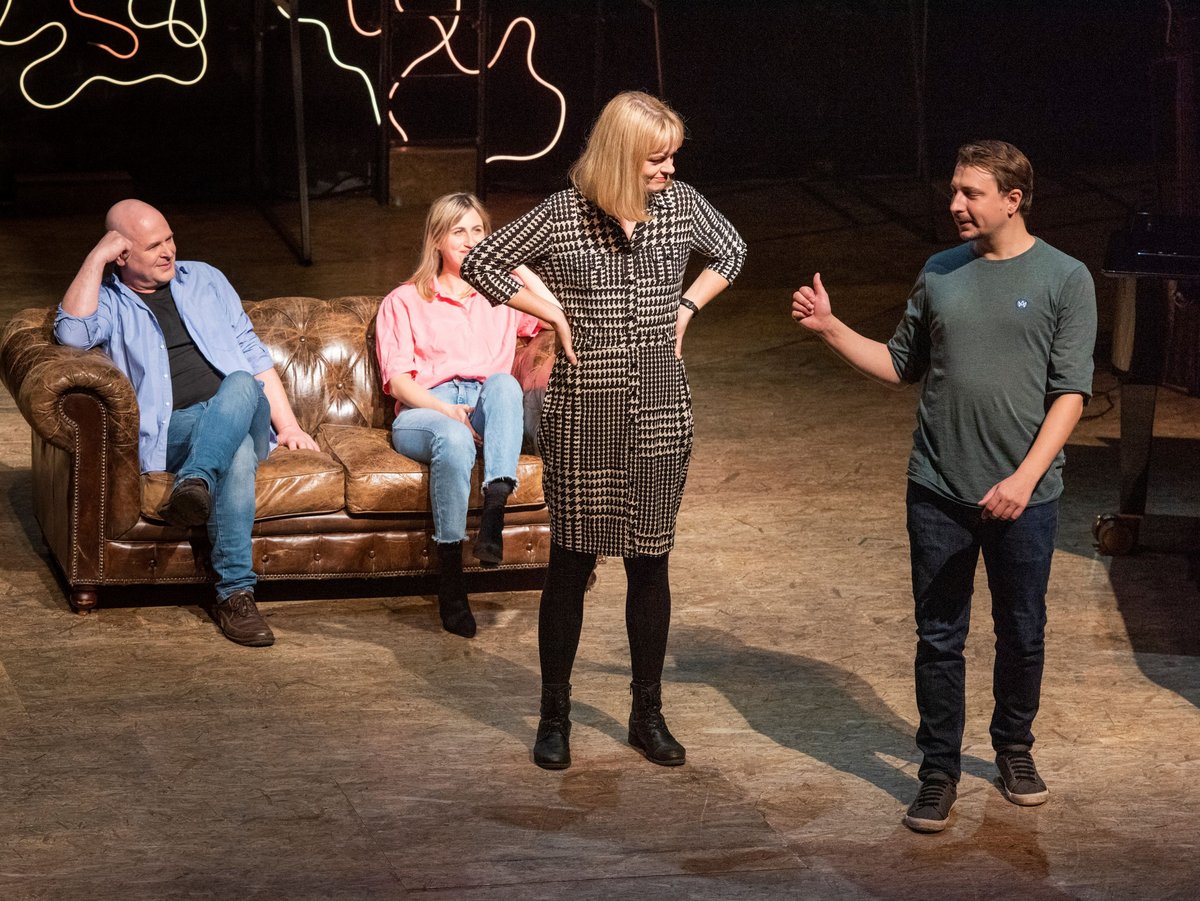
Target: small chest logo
1022, 303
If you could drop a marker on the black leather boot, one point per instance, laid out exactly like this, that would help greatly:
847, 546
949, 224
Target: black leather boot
552, 750
452, 591
648, 731
489, 545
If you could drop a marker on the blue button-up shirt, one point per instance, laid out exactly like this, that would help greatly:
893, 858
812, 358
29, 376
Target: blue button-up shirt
125, 328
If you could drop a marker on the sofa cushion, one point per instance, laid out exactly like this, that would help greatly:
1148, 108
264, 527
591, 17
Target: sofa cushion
288, 483
379, 480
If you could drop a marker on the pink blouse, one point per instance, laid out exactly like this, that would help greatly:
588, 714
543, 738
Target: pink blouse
442, 339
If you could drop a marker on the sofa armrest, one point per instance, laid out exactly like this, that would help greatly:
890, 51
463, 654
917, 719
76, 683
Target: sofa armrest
79, 402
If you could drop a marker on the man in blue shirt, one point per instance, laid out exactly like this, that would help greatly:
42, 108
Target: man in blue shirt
999, 331
207, 390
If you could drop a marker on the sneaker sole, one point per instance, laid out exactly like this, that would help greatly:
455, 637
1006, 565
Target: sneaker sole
1027, 800
916, 824
919, 824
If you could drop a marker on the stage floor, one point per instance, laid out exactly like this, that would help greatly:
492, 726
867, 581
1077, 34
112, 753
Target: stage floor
369, 754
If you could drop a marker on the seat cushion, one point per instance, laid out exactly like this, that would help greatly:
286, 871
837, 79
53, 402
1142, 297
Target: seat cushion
379, 480
288, 483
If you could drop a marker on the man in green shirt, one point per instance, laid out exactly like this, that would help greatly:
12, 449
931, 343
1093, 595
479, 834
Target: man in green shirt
1000, 332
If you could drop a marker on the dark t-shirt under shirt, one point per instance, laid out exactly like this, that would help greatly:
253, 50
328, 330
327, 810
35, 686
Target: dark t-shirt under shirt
193, 378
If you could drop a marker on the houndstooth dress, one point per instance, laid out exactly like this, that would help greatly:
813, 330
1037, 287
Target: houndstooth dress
616, 429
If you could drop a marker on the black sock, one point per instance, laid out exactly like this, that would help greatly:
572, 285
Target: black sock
489, 543
497, 491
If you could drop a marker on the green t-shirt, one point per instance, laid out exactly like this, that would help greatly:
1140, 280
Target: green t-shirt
996, 341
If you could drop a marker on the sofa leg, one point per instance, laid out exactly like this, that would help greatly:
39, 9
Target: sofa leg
83, 598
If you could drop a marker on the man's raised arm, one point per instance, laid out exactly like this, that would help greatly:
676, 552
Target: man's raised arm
83, 295
811, 308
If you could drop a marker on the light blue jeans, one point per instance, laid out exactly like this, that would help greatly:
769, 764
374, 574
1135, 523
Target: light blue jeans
447, 447
221, 440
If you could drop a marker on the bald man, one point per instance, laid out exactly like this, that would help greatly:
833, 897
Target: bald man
207, 390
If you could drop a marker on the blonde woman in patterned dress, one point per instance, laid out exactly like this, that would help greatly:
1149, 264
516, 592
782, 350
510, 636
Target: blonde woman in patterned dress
616, 426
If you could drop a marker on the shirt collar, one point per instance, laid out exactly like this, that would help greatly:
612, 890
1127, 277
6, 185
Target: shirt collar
441, 295
113, 281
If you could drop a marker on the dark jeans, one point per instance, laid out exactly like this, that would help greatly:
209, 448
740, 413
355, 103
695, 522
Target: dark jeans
945, 538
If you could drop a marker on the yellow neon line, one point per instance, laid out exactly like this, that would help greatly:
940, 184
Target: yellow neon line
170, 23
195, 39
337, 62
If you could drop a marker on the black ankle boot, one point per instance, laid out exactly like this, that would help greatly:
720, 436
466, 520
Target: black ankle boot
452, 591
552, 750
489, 545
648, 731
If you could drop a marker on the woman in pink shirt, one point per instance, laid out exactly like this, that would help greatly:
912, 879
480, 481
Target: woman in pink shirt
446, 355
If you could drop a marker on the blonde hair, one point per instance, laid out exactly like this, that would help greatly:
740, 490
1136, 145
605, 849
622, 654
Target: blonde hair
443, 215
1005, 163
629, 129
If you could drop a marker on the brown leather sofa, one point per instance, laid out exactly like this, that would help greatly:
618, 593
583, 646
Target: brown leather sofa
356, 510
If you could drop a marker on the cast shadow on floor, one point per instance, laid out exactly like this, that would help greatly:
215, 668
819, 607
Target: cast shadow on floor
823, 711
1157, 587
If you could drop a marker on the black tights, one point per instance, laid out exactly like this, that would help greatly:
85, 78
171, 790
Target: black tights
560, 617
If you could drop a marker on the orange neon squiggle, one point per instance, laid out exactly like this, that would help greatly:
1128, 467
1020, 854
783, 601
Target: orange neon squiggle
444, 43
562, 101
188, 37
396, 125
128, 55
171, 23
354, 22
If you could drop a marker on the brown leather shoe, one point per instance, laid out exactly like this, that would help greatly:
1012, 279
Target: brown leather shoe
238, 617
189, 504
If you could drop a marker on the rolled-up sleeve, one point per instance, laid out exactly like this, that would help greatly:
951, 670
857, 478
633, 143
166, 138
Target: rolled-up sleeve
84, 332
394, 340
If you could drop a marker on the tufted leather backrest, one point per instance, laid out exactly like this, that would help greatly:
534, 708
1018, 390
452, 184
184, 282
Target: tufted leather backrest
324, 351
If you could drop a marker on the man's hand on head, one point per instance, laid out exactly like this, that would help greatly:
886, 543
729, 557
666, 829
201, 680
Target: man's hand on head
112, 247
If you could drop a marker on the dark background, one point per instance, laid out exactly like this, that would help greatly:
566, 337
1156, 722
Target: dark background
768, 89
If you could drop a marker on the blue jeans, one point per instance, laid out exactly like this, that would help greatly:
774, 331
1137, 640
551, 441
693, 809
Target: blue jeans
221, 440
945, 540
446, 445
